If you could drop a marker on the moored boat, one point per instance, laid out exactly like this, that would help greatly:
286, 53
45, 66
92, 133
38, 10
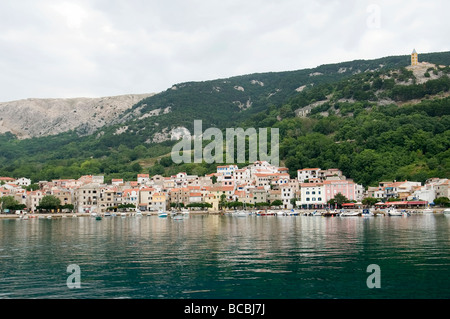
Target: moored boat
266, 213
394, 212
240, 213
447, 211
350, 214
177, 216
367, 213
162, 213
428, 211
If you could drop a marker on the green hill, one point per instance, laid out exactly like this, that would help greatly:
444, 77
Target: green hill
371, 118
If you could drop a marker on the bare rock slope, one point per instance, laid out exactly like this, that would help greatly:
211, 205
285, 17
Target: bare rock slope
42, 117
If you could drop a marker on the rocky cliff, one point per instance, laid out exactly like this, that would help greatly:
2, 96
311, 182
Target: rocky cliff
41, 117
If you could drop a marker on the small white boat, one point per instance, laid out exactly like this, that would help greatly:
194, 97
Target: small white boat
177, 216
394, 212
317, 214
24, 217
94, 214
367, 213
428, 211
447, 211
49, 217
74, 216
162, 214
350, 214
240, 213
123, 214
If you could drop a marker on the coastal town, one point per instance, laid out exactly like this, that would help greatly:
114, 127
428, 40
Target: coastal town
259, 184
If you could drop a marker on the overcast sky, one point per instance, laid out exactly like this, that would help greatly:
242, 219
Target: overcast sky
95, 48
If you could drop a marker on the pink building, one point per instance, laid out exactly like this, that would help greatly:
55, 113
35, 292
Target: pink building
345, 187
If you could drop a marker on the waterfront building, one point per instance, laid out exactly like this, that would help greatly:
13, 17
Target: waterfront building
312, 195
195, 197
258, 195
107, 198
289, 191
86, 198
333, 187
33, 199
130, 196
64, 195
159, 202
212, 199
274, 195
442, 188
398, 189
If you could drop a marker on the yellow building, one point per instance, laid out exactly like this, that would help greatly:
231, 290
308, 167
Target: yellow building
414, 58
159, 202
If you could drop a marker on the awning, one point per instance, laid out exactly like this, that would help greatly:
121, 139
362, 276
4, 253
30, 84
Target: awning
402, 203
397, 203
348, 204
418, 202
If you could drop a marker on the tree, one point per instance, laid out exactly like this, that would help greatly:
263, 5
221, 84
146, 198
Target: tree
8, 202
276, 202
136, 167
338, 200
294, 202
369, 201
156, 169
49, 202
442, 201
223, 201
67, 206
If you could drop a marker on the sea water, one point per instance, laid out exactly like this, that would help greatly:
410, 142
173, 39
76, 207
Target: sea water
215, 257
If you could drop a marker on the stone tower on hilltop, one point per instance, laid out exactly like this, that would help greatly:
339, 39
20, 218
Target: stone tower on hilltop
414, 58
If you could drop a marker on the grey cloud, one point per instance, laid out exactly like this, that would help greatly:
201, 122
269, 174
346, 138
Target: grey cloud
109, 47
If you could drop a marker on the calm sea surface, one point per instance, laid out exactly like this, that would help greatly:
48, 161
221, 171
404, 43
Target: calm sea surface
215, 257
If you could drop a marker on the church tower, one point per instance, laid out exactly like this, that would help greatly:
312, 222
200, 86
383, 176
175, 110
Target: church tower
414, 58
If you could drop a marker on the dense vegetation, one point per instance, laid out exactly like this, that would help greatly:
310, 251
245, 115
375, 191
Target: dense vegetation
371, 119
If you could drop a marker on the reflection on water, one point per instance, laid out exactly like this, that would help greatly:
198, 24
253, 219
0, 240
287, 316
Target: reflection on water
226, 257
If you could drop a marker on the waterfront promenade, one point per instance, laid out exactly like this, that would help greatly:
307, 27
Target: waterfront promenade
133, 214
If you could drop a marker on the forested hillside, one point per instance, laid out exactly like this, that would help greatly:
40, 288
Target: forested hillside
373, 119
